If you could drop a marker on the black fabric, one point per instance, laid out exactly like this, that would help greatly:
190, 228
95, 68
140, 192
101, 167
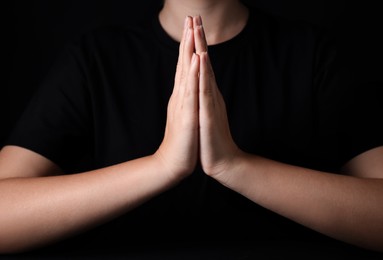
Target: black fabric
288, 99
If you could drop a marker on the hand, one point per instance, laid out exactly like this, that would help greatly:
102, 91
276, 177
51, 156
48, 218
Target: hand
178, 151
217, 148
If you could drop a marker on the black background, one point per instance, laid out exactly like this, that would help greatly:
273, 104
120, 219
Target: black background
36, 30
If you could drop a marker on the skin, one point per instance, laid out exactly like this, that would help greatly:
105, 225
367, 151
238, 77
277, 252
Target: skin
35, 199
223, 19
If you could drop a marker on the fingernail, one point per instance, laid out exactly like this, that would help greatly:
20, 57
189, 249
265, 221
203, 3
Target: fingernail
189, 22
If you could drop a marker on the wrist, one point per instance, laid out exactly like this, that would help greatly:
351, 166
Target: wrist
173, 171
231, 166
235, 170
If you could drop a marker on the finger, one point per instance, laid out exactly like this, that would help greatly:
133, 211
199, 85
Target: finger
188, 48
187, 55
206, 86
190, 98
199, 35
182, 43
180, 54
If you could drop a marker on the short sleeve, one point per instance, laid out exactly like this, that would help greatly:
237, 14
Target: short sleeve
363, 122
348, 107
57, 121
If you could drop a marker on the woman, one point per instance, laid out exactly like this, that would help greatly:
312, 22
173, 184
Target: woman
226, 163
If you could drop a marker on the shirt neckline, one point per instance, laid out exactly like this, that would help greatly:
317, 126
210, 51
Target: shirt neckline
234, 41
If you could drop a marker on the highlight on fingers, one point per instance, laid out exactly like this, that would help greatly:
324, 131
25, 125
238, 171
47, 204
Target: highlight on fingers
205, 77
184, 34
189, 44
181, 49
206, 65
195, 66
185, 44
190, 93
186, 49
199, 35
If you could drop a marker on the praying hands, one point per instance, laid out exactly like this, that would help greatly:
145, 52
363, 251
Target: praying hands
197, 124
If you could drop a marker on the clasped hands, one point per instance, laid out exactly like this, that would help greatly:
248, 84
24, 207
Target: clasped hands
197, 127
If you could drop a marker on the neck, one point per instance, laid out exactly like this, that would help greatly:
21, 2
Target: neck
222, 19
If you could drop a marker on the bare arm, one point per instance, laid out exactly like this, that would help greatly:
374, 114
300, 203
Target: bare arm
347, 208
36, 201
54, 207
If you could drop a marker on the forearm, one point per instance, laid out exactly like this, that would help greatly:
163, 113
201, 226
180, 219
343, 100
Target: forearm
50, 208
343, 207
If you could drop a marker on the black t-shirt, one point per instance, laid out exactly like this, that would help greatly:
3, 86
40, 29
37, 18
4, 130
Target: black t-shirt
288, 99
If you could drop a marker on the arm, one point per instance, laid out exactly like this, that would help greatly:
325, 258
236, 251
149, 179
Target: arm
36, 201
54, 207
347, 208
